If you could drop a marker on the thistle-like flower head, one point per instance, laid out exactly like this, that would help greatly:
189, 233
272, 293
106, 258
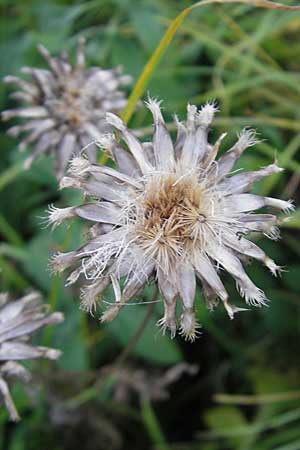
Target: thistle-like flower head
66, 106
18, 320
171, 211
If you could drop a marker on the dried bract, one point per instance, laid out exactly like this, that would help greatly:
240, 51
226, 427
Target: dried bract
18, 320
66, 106
171, 211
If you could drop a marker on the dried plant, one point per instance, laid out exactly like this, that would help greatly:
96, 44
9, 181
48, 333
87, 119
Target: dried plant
173, 212
66, 106
83, 418
148, 384
18, 320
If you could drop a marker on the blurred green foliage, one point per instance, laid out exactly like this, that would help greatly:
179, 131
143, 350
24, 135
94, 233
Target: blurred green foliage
249, 60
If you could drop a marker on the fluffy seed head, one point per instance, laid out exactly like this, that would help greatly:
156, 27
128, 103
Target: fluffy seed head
174, 212
66, 106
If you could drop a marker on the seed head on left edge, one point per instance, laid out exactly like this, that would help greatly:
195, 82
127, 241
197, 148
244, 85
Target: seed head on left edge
66, 106
18, 320
172, 212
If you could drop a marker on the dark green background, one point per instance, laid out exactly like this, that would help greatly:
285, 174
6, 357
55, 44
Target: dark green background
249, 60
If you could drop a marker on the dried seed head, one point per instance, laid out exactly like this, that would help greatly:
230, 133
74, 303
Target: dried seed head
176, 213
18, 320
66, 106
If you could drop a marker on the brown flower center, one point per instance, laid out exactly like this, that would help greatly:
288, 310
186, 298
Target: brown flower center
170, 213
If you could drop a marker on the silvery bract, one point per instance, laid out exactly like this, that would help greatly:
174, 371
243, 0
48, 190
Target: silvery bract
18, 320
172, 212
66, 106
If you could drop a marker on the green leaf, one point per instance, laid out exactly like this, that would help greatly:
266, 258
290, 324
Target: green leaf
224, 417
69, 339
43, 245
147, 26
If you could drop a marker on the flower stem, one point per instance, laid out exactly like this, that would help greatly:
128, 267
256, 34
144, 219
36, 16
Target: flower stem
103, 386
153, 427
135, 338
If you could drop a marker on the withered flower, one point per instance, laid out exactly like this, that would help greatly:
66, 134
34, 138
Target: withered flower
83, 419
66, 106
171, 211
18, 320
150, 384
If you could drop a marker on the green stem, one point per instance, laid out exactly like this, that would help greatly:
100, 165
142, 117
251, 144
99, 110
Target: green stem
153, 427
104, 386
136, 337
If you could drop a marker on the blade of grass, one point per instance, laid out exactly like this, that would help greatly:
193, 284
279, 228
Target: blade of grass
236, 87
281, 438
247, 40
205, 37
257, 399
267, 150
153, 427
284, 159
246, 430
291, 446
167, 38
143, 80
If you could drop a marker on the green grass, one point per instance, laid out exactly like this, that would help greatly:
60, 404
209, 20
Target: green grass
247, 59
